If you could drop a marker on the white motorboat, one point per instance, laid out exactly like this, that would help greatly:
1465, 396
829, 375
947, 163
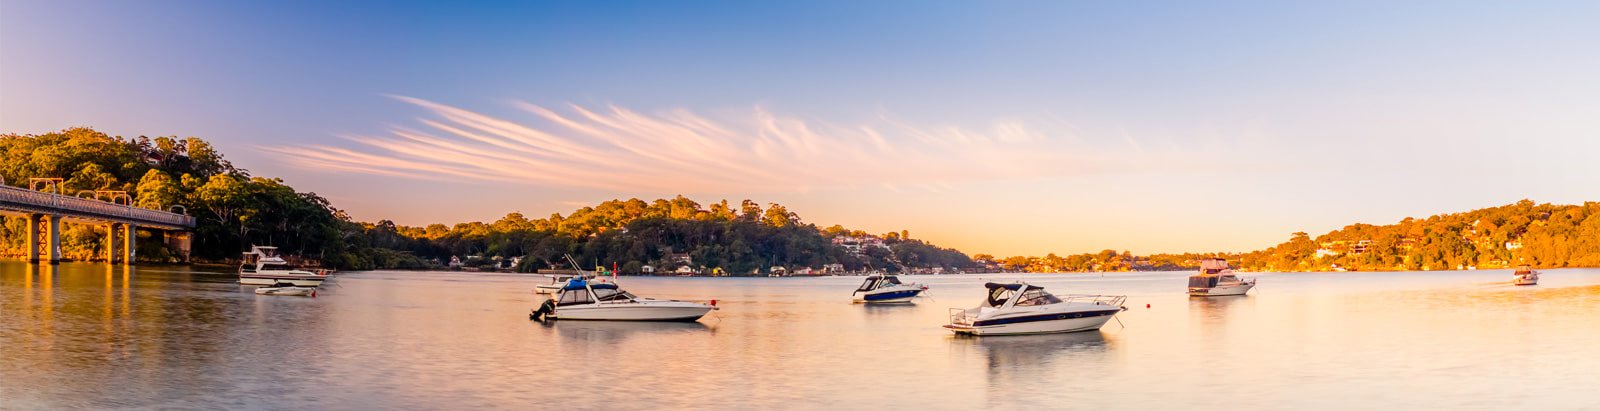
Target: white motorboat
587, 300
1525, 276
882, 289
557, 282
1022, 308
1216, 279
287, 289
263, 266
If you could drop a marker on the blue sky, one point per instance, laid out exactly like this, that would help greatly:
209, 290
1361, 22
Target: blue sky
997, 127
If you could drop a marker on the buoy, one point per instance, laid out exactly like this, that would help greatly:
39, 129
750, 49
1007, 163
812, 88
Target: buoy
1147, 306
713, 303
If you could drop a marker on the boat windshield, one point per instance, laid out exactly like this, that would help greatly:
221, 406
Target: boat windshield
578, 296
1037, 296
891, 280
998, 296
612, 294
869, 285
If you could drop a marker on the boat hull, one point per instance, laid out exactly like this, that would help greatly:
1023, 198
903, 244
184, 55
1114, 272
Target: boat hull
1525, 280
298, 281
640, 311
290, 291
900, 296
1037, 323
1221, 290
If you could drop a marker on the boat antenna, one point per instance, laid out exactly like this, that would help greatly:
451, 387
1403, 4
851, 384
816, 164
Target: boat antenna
575, 267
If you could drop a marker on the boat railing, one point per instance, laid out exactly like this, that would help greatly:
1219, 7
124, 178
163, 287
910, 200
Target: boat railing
1111, 300
963, 316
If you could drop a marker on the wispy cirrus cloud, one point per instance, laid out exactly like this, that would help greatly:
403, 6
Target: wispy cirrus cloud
617, 148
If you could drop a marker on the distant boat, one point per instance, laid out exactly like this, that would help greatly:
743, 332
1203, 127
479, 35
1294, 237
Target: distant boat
287, 289
555, 285
263, 266
883, 289
1525, 276
1216, 279
1022, 308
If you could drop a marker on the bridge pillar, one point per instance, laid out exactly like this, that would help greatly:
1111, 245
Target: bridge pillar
111, 243
53, 230
130, 233
35, 221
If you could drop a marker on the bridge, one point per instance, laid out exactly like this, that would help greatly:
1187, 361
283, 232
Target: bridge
45, 211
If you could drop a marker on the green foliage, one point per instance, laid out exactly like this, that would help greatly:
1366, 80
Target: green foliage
234, 210
1542, 235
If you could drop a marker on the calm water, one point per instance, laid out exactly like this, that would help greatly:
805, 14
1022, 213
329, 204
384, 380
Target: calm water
93, 336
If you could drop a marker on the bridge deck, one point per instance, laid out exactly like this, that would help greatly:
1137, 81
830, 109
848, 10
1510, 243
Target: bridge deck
28, 201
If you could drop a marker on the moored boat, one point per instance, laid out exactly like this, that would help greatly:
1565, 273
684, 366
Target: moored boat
557, 282
883, 289
287, 289
263, 266
1216, 279
587, 300
1022, 308
1525, 276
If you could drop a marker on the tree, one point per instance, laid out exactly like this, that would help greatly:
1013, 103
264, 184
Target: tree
157, 191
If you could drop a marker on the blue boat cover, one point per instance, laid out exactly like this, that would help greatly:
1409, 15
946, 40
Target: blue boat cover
1012, 286
578, 284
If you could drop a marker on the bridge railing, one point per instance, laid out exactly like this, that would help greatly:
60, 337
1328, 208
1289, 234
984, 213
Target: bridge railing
92, 207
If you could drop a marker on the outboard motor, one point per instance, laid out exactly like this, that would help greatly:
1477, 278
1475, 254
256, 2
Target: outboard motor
547, 308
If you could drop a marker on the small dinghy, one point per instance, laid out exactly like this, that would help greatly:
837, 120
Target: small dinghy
287, 289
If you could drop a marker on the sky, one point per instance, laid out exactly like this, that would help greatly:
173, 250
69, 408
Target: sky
1006, 127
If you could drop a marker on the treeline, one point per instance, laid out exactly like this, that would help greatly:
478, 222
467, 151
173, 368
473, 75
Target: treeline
665, 235
234, 210
1105, 260
1541, 235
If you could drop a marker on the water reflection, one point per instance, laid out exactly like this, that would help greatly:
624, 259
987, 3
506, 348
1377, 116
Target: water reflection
1216, 310
613, 332
880, 310
97, 336
1021, 353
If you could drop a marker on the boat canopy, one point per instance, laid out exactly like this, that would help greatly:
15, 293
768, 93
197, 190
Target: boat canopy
877, 281
1011, 286
1000, 293
575, 284
1203, 281
1213, 265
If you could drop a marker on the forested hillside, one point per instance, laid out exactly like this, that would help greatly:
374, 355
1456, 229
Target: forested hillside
235, 209
1542, 235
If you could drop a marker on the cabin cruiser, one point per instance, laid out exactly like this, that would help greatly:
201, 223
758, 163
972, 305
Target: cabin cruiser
1525, 276
263, 266
1022, 308
587, 300
881, 289
287, 289
1216, 279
